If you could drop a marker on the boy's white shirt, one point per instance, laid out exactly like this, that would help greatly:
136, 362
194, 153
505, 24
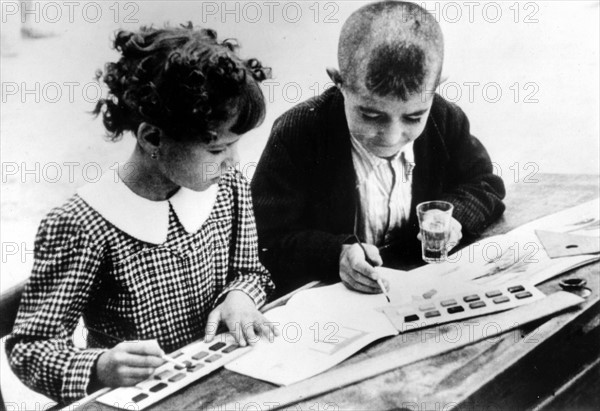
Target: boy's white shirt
145, 219
384, 206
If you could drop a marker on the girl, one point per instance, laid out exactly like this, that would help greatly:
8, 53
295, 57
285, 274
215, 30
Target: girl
166, 251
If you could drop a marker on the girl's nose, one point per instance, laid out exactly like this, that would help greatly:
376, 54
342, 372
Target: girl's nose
232, 158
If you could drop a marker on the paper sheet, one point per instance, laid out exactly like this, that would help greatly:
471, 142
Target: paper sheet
323, 326
311, 341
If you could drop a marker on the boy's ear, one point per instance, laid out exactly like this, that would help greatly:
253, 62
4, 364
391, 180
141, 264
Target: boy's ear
148, 137
335, 76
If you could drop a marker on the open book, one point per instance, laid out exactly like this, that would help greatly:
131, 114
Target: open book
323, 326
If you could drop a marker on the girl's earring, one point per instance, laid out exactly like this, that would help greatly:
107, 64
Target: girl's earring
154, 155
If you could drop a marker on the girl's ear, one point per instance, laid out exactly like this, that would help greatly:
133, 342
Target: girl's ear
335, 76
148, 137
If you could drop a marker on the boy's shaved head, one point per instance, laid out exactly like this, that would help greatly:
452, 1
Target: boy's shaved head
393, 48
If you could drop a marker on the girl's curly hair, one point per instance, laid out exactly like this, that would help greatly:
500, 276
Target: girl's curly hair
182, 80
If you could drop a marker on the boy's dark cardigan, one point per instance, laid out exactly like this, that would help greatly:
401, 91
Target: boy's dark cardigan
305, 195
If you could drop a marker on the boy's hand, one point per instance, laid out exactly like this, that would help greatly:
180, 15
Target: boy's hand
242, 318
128, 363
356, 272
455, 234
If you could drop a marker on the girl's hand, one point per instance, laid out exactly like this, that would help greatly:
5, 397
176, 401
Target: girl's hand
242, 318
128, 363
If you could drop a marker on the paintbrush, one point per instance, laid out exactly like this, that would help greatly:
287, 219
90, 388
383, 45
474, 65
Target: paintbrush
379, 280
118, 339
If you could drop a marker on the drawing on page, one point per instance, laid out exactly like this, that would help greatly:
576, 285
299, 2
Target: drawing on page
344, 336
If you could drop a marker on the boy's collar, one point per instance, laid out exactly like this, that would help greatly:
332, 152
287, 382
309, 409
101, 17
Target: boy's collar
375, 161
144, 219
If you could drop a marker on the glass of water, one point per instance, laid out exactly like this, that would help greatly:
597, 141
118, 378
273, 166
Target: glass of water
434, 222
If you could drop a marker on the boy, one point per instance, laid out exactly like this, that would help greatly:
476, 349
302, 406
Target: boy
360, 157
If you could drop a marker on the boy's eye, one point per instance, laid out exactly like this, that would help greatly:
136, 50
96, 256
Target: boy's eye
413, 119
215, 152
371, 116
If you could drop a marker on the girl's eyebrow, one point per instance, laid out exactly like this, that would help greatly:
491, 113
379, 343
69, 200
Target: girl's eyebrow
217, 144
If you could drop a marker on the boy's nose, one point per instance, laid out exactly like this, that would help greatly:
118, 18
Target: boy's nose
394, 133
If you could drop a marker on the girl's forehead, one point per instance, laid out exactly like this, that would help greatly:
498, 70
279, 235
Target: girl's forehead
221, 133
223, 127
224, 138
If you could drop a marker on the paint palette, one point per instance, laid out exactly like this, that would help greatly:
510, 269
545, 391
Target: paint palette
199, 358
445, 309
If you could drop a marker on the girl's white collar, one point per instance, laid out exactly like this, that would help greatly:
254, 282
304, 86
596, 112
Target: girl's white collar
144, 219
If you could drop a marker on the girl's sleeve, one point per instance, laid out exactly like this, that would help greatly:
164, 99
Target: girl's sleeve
246, 271
40, 349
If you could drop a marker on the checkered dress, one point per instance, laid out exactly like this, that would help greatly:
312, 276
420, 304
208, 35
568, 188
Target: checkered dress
85, 266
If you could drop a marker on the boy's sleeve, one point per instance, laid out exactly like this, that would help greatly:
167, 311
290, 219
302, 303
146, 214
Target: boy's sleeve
474, 190
40, 349
292, 249
248, 274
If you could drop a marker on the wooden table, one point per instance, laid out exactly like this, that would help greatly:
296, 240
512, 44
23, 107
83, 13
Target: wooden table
550, 364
